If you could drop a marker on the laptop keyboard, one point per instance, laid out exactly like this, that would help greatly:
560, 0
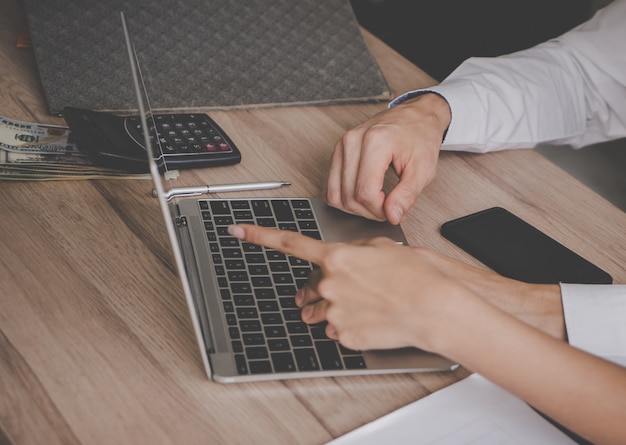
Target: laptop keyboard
257, 287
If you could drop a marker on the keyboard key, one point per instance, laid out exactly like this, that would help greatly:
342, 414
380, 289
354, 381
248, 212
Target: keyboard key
229, 242
292, 314
253, 339
283, 362
237, 275
265, 294
288, 226
257, 352
249, 247
307, 225
235, 264
282, 210
286, 290
242, 215
220, 207
318, 331
268, 306
346, 351
237, 346
261, 208
244, 300
294, 261
271, 318
275, 331
240, 205
233, 332
312, 234
282, 278
250, 325
258, 269
266, 222
223, 220
240, 288
356, 362
279, 266
304, 214
328, 354
260, 367
278, 344
255, 258
231, 253
245, 312
240, 363
306, 359
261, 282
301, 204
297, 327
301, 272
274, 255
288, 302
298, 341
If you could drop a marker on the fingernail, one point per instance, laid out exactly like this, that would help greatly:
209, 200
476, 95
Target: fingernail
331, 332
397, 214
307, 312
300, 297
237, 231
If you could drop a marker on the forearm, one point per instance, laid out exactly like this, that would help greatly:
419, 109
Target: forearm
584, 393
538, 305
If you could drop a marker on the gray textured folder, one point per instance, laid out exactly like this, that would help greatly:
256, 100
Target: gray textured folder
199, 54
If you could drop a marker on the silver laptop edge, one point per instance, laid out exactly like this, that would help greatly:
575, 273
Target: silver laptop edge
154, 172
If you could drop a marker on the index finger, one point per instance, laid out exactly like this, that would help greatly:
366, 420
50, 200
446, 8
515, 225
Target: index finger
286, 241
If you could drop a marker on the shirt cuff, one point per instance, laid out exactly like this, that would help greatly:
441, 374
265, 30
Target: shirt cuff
595, 317
415, 93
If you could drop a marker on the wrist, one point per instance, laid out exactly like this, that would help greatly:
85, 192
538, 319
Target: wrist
433, 104
464, 315
538, 305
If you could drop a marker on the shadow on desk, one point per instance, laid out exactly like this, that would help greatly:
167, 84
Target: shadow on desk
601, 167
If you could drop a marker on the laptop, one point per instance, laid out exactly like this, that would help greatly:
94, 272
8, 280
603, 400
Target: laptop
241, 296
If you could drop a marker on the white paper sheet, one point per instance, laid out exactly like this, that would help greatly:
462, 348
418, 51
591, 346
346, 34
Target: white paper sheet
473, 411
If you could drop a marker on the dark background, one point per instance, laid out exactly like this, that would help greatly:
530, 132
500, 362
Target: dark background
437, 35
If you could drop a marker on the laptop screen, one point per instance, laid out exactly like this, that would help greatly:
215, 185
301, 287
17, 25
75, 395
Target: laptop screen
145, 114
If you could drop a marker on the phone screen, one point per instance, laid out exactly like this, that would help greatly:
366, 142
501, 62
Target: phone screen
515, 249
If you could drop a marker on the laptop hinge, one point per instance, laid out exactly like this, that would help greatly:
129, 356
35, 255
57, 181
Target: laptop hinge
193, 279
181, 221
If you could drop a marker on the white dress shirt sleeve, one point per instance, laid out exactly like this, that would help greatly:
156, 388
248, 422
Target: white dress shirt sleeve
569, 90
595, 319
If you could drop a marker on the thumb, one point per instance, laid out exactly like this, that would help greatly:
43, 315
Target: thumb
398, 204
402, 197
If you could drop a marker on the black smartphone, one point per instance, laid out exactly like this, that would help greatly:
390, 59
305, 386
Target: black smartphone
515, 249
182, 140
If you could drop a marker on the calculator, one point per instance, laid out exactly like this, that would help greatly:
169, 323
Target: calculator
181, 140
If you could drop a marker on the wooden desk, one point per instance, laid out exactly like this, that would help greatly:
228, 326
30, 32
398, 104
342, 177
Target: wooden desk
96, 342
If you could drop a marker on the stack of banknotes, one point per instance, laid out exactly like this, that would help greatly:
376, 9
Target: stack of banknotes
37, 152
